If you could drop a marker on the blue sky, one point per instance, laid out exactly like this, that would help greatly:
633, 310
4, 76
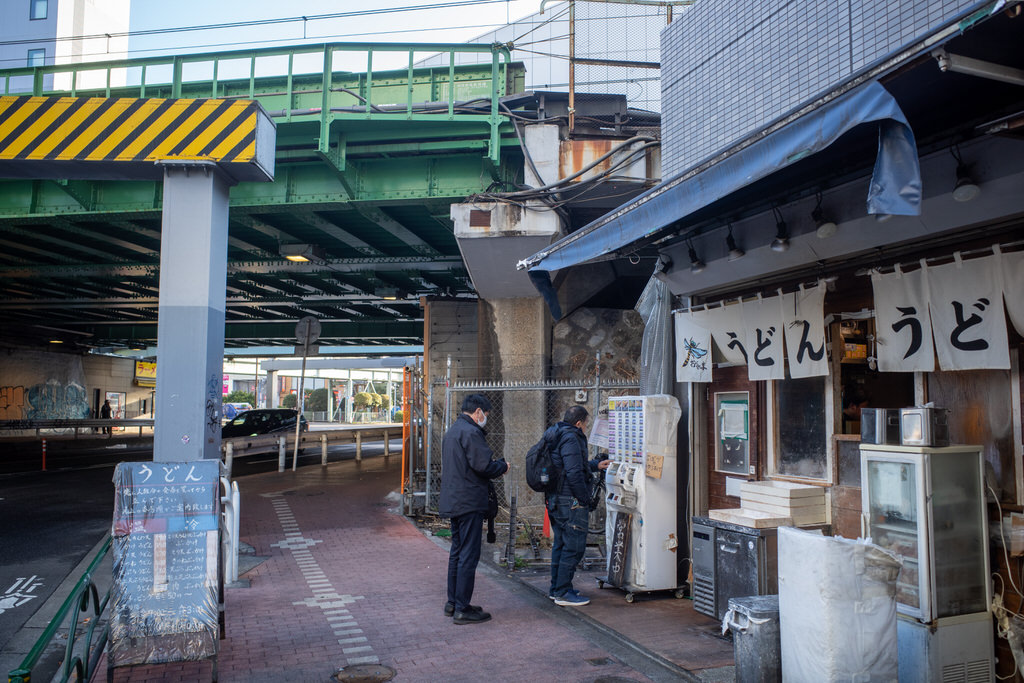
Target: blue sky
449, 25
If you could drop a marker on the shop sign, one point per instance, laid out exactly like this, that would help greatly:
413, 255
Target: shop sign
762, 334
959, 305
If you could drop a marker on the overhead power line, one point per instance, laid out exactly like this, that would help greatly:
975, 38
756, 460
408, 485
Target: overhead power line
264, 22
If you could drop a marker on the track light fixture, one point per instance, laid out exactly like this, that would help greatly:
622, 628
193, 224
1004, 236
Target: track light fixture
696, 265
734, 251
965, 189
781, 241
302, 253
823, 227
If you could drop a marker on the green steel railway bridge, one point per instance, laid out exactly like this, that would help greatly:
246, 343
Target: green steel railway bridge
367, 162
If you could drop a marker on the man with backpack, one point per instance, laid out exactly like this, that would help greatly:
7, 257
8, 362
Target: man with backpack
466, 472
570, 503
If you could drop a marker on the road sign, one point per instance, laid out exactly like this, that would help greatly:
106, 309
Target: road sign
307, 331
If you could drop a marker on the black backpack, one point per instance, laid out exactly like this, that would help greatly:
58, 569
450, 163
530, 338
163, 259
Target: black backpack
541, 474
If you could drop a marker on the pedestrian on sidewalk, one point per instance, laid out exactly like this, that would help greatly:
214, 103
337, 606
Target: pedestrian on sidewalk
570, 506
466, 471
105, 412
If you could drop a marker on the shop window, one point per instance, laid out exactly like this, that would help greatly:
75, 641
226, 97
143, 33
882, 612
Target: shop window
801, 428
732, 432
37, 9
37, 57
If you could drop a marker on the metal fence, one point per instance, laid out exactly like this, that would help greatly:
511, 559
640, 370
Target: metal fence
520, 413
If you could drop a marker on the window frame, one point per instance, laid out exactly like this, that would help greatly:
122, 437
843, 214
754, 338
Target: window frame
33, 4
29, 61
772, 436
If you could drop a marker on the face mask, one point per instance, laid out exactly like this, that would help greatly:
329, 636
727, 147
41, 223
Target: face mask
483, 422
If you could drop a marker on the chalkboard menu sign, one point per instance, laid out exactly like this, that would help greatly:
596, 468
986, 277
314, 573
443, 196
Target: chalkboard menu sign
618, 555
166, 544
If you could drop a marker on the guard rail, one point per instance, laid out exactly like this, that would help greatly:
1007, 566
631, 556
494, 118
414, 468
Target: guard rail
94, 425
283, 441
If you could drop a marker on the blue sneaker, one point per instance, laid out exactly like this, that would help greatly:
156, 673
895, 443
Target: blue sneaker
572, 599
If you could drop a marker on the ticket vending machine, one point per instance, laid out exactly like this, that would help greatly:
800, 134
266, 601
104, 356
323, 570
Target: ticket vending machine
640, 484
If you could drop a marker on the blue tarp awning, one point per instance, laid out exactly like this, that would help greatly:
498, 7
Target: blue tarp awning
895, 186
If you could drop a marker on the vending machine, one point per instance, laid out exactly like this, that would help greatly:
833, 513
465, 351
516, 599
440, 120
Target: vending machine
640, 483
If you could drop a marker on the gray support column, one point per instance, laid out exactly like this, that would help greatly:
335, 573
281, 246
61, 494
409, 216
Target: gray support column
273, 396
190, 329
348, 398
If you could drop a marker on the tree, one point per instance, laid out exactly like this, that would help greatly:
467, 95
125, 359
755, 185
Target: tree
289, 401
385, 402
240, 396
362, 400
316, 400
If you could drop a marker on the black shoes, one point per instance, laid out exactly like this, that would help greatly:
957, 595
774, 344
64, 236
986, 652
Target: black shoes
471, 617
449, 608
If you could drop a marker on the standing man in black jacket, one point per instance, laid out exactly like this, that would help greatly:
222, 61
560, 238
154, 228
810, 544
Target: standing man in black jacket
570, 506
466, 469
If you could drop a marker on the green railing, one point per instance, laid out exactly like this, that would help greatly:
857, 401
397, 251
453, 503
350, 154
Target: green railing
83, 662
300, 83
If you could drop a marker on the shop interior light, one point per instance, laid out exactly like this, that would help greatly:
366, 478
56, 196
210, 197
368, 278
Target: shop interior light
823, 227
302, 253
735, 252
965, 188
781, 241
696, 265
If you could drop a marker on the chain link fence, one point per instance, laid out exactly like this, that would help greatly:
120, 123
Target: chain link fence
520, 413
617, 49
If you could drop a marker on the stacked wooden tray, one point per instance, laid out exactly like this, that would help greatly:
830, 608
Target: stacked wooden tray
802, 503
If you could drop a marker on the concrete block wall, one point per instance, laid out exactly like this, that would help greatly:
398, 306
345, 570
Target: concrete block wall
728, 70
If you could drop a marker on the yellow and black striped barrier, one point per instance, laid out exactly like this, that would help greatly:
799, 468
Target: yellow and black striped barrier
121, 137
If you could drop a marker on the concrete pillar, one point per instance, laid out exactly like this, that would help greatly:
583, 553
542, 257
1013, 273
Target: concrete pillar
273, 397
518, 348
190, 328
348, 398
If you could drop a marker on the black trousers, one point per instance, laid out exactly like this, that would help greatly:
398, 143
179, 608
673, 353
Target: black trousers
463, 558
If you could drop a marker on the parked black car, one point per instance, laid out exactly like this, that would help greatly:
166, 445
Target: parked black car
262, 421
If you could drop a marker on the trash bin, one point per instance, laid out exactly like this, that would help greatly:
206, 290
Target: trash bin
757, 648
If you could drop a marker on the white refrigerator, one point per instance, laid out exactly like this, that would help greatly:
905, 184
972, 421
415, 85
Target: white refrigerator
927, 505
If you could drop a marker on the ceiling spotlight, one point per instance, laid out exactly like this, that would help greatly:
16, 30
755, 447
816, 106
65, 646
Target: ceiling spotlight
302, 253
823, 227
734, 251
781, 241
965, 189
56, 341
696, 265
387, 293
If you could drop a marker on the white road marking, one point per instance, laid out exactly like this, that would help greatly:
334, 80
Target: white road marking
324, 594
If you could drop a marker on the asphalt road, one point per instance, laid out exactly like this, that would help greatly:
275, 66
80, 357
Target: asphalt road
52, 519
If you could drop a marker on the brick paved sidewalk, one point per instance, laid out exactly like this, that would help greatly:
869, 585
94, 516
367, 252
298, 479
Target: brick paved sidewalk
348, 581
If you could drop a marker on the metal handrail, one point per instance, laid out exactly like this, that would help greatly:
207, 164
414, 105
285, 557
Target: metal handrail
500, 60
84, 668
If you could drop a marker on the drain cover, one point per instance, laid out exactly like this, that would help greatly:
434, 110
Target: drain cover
364, 673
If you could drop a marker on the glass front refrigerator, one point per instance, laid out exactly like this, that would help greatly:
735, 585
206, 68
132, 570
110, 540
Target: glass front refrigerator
927, 505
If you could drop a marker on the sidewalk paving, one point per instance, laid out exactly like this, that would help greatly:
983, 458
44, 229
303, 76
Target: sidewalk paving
348, 581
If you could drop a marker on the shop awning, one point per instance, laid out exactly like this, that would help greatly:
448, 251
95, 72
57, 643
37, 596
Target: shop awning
895, 186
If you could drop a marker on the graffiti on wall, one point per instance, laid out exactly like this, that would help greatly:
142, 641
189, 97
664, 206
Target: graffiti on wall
50, 400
